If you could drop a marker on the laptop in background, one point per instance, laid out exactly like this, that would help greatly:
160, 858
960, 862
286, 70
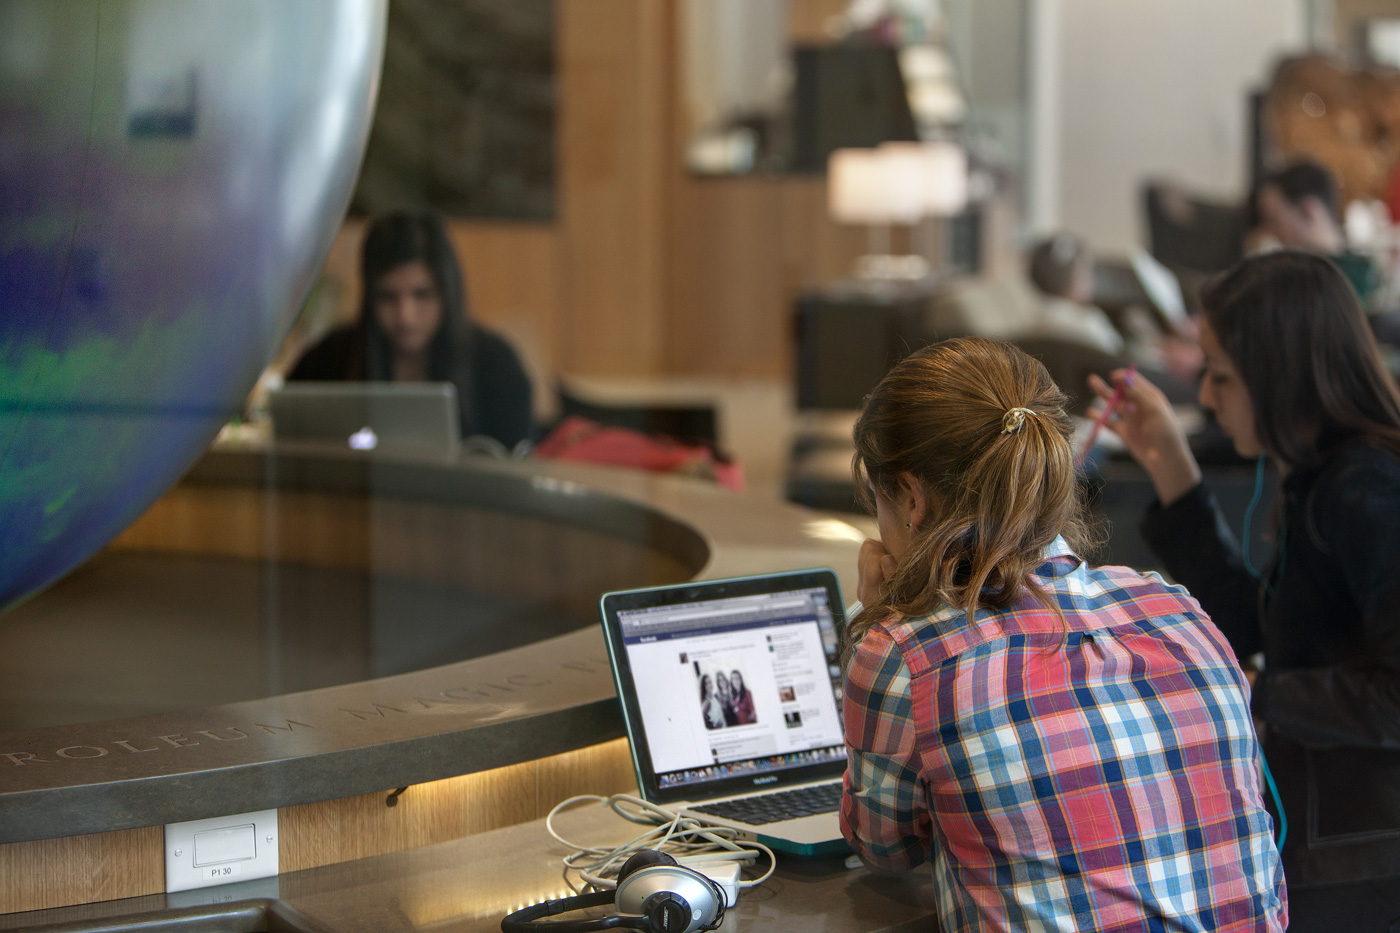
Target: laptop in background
407, 417
769, 761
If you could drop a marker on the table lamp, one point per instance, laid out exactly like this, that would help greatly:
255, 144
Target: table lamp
895, 183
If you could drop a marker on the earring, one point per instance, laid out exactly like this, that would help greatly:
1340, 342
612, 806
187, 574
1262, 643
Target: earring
909, 525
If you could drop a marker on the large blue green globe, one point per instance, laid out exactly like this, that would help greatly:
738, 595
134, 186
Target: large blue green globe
172, 174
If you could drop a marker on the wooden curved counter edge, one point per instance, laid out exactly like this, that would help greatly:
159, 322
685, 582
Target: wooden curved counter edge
481, 743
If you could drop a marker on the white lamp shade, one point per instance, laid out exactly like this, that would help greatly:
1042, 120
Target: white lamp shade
873, 186
941, 168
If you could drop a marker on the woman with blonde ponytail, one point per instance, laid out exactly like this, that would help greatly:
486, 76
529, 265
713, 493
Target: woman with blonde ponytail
1070, 746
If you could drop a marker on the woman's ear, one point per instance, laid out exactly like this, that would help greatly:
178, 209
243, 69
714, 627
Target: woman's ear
911, 491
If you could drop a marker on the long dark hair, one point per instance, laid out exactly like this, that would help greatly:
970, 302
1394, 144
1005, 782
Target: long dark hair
391, 241
1001, 487
1293, 327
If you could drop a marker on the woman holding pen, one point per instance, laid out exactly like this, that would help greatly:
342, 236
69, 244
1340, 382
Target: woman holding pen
1293, 375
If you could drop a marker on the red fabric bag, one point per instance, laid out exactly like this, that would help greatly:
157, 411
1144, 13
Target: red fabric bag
585, 441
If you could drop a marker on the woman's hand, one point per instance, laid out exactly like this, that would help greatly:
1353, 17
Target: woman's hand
873, 568
1150, 431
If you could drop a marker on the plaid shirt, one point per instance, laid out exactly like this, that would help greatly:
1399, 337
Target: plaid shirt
1097, 774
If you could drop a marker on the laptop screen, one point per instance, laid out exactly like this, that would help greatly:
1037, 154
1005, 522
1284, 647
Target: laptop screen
729, 685
392, 416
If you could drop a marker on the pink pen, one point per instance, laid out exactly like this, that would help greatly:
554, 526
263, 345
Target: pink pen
1113, 402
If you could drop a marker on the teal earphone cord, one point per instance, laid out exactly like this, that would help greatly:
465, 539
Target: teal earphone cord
1249, 519
1256, 574
1278, 801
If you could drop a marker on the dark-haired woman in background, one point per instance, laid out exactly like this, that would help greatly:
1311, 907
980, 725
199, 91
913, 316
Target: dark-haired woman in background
1069, 746
1293, 376
414, 326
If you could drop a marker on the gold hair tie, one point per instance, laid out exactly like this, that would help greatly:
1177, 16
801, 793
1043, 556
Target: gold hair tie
1014, 419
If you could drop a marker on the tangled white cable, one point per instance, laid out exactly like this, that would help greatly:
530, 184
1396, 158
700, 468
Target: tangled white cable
676, 835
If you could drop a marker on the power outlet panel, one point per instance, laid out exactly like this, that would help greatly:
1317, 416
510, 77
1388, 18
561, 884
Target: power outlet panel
202, 853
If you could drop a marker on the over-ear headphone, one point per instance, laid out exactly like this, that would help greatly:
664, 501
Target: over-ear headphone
653, 893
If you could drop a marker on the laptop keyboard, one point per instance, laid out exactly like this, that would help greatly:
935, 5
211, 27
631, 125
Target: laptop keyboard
781, 805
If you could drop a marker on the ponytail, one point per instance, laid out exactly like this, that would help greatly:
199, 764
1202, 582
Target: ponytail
983, 428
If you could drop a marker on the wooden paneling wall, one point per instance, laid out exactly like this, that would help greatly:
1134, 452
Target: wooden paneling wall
512, 272
807, 19
647, 270
663, 272
616, 93
81, 869
745, 247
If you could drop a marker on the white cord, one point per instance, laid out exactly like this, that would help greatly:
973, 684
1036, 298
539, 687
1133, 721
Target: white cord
676, 835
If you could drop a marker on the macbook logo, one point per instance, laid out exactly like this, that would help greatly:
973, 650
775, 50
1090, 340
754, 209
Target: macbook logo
770, 779
364, 439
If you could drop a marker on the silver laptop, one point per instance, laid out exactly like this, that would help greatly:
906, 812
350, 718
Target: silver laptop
731, 694
409, 417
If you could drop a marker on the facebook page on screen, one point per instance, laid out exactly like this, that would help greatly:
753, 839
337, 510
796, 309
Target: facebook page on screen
734, 686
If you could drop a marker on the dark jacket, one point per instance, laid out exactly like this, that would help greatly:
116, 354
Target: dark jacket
1328, 623
492, 387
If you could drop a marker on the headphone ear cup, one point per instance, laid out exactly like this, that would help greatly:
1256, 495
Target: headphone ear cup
643, 859
654, 893
673, 898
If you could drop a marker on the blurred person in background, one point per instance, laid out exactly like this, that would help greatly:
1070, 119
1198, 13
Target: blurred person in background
1295, 379
415, 326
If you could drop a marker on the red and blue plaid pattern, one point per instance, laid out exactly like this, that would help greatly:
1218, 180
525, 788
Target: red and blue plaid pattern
1100, 773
